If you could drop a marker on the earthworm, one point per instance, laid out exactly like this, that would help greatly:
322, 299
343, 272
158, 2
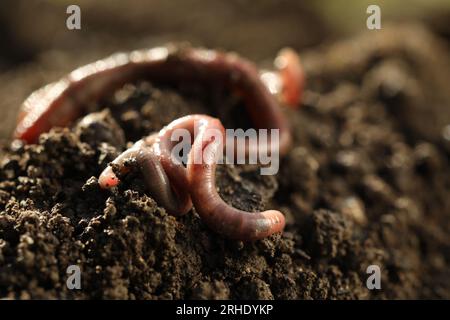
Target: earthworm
171, 184
217, 214
197, 181
61, 102
287, 83
165, 181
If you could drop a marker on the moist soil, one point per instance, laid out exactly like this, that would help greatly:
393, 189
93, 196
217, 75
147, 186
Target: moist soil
366, 183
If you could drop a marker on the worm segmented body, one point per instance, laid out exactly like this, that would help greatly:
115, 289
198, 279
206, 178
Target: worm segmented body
174, 186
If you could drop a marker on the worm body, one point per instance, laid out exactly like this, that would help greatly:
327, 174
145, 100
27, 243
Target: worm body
196, 182
173, 185
59, 103
220, 216
292, 76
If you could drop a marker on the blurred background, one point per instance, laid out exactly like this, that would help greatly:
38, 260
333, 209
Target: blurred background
38, 48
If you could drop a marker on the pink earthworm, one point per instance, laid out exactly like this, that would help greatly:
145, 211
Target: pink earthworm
217, 214
197, 181
165, 181
171, 184
61, 102
292, 76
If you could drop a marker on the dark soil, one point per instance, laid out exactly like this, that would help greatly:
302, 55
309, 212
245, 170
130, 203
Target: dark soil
367, 182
